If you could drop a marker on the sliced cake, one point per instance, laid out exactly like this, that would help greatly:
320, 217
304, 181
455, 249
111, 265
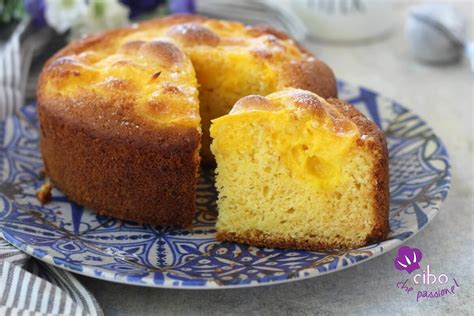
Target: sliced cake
297, 171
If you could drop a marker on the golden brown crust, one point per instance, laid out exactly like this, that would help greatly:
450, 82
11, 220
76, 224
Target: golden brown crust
259, 239
299, 99
377, 144
149, 177
313, 75
309, 73
194, 34
163, 51
252, 102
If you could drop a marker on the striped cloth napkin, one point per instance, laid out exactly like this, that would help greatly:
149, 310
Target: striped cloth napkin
28, 286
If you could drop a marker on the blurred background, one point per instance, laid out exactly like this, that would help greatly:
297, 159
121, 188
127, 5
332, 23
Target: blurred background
360, 39
416, 33
417, 52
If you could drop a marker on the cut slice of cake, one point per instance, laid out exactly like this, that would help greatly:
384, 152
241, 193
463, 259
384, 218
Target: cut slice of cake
297, 171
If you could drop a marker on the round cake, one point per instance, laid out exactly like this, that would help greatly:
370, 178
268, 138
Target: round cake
125, 113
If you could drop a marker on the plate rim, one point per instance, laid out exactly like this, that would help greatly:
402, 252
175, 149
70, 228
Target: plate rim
167, 284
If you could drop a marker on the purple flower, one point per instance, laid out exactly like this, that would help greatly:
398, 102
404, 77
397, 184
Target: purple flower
182, 6
138, 7
35, 9
408, 259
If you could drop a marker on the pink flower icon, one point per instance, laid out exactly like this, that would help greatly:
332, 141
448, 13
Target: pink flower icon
408, 259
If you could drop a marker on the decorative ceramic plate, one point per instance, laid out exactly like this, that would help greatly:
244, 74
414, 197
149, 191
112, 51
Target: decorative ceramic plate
69, 236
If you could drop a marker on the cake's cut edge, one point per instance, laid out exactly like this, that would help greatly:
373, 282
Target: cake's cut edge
371, 142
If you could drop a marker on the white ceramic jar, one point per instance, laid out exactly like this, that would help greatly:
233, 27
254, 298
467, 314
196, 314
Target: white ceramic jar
345, 20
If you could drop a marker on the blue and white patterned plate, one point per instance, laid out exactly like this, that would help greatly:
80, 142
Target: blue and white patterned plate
69, 236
